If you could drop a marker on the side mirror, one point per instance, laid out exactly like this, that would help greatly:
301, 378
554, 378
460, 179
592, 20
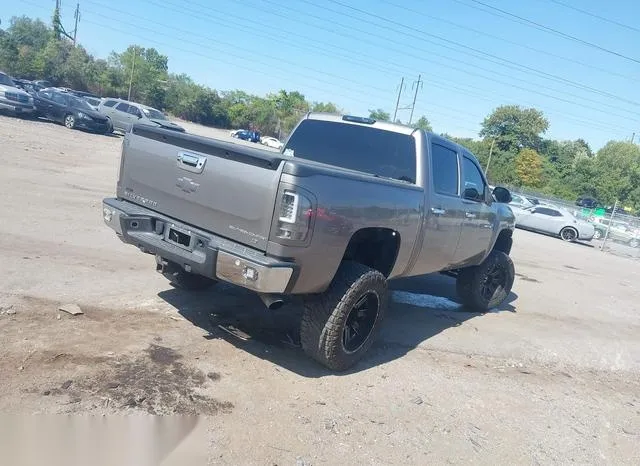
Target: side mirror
472, 194
502, 195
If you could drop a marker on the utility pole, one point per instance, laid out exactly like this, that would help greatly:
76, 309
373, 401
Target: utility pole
418, 85
606, 235
486, 170
57, 27
77, 17
398, 100
133, 67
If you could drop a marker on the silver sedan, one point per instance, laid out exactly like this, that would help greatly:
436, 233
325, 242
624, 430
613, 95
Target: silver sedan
553, 220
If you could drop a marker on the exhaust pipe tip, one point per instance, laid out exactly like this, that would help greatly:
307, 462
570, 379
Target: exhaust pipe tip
272, 301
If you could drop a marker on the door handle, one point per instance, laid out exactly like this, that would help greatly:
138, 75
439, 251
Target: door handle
438, 211
470, 215
191, 162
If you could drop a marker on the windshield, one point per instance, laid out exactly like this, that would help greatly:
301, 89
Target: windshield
355, 147
153, 114
6, 80
80, 104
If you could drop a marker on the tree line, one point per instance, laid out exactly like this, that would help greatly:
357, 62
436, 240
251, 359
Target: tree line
511, 143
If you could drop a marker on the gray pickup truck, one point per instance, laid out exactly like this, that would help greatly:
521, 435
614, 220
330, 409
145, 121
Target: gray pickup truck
347, 204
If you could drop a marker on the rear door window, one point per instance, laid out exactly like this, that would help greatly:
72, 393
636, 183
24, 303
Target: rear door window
134, 111
123, 107
109, 103
445, 174
356, 147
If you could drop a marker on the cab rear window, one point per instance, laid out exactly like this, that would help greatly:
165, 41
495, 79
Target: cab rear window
356, 147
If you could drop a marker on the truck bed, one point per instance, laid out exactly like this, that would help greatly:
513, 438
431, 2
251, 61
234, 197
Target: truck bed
225, 188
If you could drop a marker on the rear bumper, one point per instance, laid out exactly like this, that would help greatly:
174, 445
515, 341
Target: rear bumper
16, 107
205, 254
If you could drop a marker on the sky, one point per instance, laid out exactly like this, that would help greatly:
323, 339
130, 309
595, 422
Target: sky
581, 69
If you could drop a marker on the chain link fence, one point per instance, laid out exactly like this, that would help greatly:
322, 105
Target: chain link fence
616, 232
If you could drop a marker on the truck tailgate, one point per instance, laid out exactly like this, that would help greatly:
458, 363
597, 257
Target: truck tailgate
226, 188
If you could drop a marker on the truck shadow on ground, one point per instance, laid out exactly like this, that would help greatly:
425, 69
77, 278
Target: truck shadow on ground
420, 308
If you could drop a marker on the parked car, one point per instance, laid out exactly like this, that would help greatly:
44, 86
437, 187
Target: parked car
125, 114
271, 142
620, 232
72, 111
12, 98
520, 201
587, 202
553, 220
354, 202
247, 135
93, 101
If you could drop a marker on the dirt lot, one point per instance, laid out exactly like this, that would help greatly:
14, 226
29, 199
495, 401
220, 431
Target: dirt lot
553, 377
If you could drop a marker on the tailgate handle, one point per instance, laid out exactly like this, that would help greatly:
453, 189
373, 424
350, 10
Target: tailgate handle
191, 162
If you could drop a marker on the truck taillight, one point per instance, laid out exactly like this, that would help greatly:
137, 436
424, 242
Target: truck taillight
294, 216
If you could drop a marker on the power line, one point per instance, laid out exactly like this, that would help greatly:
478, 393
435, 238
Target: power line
490, 78
236, 47
458, 44
209, 38
508, 41
593, 15
199, 44
429, 53
554, 31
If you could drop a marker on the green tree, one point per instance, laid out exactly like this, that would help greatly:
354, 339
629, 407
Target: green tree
423, 123
146, 69
21, 47
528, 167
379, 115
325, 107
515, 128
617, 173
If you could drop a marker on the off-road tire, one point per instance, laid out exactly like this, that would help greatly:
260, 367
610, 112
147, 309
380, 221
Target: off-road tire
470, 282
325, 315
189, 281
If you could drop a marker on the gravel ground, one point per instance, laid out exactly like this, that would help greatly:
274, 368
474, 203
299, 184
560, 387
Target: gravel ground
552, 377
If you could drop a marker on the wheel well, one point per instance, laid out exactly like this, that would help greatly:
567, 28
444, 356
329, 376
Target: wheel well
374, 247
504, 241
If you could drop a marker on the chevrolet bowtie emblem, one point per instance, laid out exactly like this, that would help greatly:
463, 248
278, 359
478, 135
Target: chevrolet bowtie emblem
187, 184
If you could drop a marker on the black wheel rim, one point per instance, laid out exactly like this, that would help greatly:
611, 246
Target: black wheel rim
494, 280
568, 234
360, 322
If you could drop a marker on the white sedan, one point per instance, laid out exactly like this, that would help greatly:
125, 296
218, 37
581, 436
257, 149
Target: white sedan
553, 220
271, 142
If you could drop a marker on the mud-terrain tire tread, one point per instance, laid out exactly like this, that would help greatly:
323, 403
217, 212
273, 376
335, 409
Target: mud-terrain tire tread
324, 315
469, 283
